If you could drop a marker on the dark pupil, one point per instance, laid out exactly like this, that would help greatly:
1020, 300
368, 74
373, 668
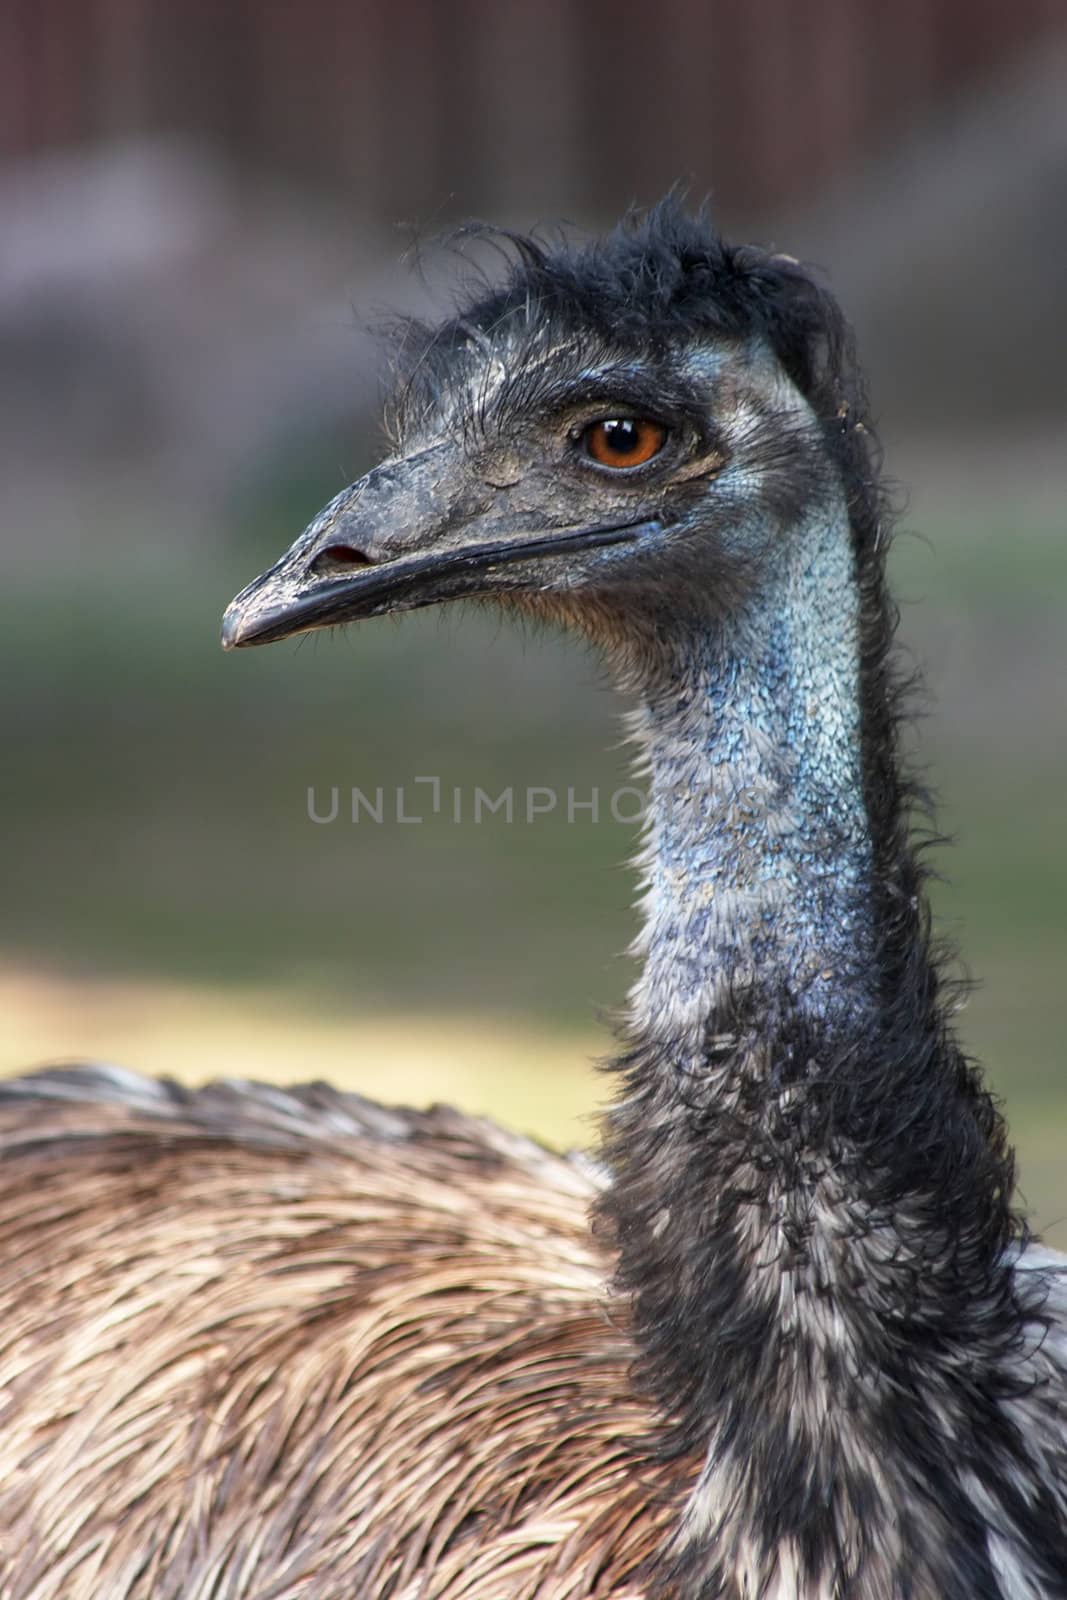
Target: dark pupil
621, 436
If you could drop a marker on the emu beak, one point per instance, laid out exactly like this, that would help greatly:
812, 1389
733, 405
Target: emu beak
403, 537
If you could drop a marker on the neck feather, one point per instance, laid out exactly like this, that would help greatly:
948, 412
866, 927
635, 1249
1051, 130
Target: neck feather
758, 855
811, 1189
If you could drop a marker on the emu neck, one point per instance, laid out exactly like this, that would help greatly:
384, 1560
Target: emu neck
758, 856
811, 1189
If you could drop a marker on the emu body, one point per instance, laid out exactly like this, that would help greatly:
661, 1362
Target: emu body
808, 1351
270, 1344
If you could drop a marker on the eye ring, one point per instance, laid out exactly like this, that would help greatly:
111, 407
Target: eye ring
621, 443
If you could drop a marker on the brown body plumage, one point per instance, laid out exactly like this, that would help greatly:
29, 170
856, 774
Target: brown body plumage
297, 1345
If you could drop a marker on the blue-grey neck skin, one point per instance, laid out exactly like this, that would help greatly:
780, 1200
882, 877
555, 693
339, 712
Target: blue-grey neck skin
757, 859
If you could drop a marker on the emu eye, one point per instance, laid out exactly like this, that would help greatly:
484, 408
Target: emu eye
624, 441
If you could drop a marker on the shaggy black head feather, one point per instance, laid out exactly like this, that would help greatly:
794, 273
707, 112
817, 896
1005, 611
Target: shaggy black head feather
662, 278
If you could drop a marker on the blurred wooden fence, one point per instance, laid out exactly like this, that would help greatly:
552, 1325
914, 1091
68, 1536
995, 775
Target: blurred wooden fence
424, 108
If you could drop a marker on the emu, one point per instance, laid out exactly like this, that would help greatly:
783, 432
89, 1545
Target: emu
295, 1344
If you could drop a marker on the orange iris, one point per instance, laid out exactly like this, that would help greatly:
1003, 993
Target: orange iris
624, 441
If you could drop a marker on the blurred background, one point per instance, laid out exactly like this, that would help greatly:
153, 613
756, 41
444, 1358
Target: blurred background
204, 207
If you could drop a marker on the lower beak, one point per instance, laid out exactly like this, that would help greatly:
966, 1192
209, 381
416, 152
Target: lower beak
289, 599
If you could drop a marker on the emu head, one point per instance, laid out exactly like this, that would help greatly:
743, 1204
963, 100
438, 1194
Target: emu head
616, 434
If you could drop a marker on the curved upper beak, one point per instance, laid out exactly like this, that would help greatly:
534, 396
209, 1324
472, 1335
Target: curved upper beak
404, 536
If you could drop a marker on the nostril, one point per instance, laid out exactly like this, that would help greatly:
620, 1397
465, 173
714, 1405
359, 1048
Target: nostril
340, 555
